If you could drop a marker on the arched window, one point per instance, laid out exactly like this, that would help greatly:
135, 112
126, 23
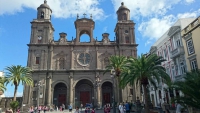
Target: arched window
42, 15
62, 63
127, 39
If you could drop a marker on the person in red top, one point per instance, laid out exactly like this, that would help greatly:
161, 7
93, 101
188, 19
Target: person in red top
93, 111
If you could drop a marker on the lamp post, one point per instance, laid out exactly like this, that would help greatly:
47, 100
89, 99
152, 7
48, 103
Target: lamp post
112, 75
39, 85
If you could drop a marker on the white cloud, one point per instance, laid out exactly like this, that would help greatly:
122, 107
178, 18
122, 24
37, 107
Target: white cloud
61, 8
155, 27
147, 42
189, 1
189, 14
146, 7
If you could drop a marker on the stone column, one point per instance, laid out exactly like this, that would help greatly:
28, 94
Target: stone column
72, 57
71, 88
98, 97
49, 97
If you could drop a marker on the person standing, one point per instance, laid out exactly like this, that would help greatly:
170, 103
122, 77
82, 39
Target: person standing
127, 107
93, 111
31, 110
163, 106
63, 107
70, 108
178, 108
121, 108
81, 106
77, 110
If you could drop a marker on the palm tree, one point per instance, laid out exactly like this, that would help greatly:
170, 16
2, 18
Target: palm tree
17, 74
118, 64
190, 88
144, 70
2, 86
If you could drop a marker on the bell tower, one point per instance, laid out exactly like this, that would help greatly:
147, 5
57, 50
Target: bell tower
84, 26
125, 28
42, 28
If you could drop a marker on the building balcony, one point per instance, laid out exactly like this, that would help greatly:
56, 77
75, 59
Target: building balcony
179, 77
177, 52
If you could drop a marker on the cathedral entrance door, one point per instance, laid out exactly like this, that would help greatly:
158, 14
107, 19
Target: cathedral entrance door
106, 97
84, 92
61, 99
85, 97
107, 92
60, 94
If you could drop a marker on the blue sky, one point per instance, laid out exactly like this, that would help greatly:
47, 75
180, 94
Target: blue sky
152, 18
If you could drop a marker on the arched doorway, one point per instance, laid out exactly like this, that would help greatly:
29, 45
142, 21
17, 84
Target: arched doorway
107, 93
60, 94
84, 92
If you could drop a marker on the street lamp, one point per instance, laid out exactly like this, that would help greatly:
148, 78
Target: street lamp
112, 75
39, 86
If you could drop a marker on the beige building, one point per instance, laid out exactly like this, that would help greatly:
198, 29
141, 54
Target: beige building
191, 44
71, 72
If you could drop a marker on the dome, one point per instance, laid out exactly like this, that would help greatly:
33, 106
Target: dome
44, 5
122, 6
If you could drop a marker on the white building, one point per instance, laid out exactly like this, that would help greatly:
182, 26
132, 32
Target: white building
170, 47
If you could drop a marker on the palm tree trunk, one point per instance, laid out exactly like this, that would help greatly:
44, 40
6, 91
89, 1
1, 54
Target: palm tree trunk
15, 93
146, 98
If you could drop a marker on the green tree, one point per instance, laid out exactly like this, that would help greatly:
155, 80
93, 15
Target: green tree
2, 84
118, 64
144, 70
17, 74
190, 88
14, 105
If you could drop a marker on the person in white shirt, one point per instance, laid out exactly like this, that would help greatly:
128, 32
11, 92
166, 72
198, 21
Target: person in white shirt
178, 108
77, 110
121, 108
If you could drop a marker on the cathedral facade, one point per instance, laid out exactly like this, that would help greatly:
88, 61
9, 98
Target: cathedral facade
71, 72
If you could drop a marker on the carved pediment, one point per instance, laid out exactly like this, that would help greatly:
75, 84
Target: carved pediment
105, 54
61, 54
173, 30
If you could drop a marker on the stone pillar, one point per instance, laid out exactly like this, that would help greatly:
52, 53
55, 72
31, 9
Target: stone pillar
49, 97
99, 97
71, 88
72, 57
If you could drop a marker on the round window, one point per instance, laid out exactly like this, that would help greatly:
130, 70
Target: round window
84, 59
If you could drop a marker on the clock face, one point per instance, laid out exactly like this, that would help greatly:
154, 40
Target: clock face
39, 38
